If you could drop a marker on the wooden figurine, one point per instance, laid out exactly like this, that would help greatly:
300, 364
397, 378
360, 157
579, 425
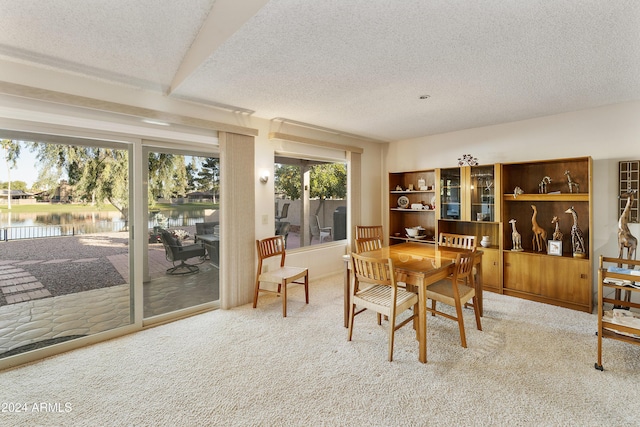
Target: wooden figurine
515, 237
577, 238
557, 234
625, 238
539, 233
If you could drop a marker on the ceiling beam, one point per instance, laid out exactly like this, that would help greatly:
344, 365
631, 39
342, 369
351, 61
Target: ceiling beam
225, 18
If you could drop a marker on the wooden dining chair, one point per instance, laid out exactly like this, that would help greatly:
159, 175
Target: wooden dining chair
282, 276
375, 289
455, 291
369, 231
457, 241
367, 244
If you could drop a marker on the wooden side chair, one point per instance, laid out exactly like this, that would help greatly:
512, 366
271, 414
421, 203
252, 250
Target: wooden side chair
369, 231
380, 294
282, 276
457, 241
455, 292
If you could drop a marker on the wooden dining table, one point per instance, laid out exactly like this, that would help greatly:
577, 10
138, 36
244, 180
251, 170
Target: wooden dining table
418, 265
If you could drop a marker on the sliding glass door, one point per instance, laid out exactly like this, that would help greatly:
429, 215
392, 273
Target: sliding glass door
181, 268
64, 240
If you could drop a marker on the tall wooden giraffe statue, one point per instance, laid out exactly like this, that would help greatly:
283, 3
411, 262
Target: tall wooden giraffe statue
557, 234
539, 233
625, 238
577, 238
515, 237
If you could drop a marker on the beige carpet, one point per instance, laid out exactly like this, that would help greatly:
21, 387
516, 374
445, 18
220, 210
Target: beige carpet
532, 365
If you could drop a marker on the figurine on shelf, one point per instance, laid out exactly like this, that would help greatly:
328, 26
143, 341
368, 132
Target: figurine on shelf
625, 238
542, 187
539, 233
577, 238
557, 234
517, 191
572, 184
515, 237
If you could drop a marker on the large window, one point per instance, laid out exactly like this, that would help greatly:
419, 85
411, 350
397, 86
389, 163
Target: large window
310, 200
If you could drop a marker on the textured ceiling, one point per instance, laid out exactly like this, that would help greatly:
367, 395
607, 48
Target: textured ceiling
358, 66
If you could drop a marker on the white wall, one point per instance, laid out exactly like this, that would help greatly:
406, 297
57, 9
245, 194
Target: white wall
608, 134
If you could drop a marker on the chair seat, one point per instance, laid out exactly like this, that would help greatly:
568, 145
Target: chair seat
289, 273
443, 291
380, 296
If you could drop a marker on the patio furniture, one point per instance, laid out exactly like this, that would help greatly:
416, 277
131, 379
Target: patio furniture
282, 229
283, 213
175, 252
316, 231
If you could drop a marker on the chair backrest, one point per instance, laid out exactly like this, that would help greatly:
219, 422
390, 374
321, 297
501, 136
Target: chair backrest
377, 271
369, 231
464, 266
368, 244
457, 241
171, 245
285, 211
270, 247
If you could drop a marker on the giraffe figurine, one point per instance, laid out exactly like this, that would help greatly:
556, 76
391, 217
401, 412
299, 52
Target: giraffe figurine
625, 238
557, 234
515, 237
577, 238
572, 184
539, 233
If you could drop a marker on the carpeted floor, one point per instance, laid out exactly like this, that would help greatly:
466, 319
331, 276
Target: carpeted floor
531, 365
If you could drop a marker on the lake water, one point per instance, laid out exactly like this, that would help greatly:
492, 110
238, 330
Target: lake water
45, 224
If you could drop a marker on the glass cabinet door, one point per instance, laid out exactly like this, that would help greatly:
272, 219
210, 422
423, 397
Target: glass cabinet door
482, 193
450, 193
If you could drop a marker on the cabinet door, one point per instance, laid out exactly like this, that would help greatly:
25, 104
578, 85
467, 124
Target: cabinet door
482, 193
566, 279
451, 193
522, 272
491, 269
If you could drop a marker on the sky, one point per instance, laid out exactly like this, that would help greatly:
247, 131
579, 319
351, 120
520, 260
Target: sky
25, 169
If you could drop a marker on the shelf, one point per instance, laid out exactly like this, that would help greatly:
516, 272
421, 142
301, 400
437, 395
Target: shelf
562, 197
412, 210
411, 191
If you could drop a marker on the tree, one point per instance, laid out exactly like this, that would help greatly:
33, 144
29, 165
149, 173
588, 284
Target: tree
287, 180
10, 153
208, 178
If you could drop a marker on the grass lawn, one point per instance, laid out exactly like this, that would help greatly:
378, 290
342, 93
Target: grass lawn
70, 208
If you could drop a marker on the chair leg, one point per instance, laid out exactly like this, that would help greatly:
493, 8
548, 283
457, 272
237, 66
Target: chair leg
463, 338
392, 330
284, 299
433, 307
352, 314
255, 293
477, 313
306, 287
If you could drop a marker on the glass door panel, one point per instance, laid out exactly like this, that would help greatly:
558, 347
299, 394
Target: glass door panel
482, 193
64, 247
182, 268
450, 193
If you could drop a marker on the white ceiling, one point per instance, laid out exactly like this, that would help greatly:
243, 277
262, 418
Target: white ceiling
358, 66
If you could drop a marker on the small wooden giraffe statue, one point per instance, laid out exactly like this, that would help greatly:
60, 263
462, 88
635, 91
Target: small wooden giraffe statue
539, 233
625, 238
515, 237
572, 184
557, 234
577, 238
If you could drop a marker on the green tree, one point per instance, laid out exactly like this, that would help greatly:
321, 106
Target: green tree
10, 154
208, 178
287, 181
167, 176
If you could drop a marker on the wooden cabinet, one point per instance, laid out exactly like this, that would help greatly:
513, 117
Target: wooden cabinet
468, 206
481, 201
617, 282
532, 273
412, 203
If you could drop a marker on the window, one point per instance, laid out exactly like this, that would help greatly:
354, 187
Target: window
310, 200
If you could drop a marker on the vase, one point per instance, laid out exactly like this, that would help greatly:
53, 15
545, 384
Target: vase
485, 242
